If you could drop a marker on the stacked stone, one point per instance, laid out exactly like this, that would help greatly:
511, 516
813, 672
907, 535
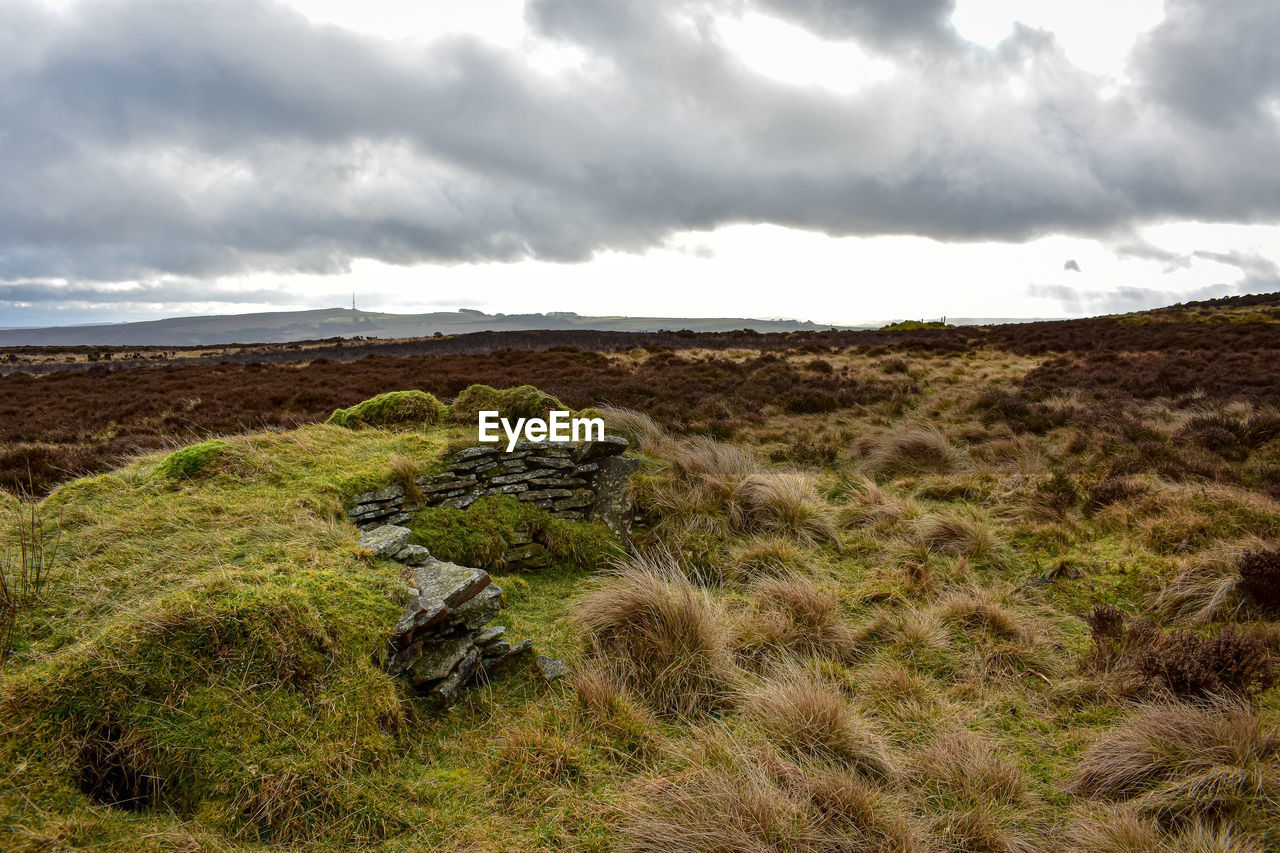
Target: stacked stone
441, 643
573, 482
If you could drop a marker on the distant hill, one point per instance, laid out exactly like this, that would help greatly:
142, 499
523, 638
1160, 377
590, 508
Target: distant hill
286, 326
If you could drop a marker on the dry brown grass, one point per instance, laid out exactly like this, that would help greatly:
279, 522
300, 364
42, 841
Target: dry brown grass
735, 797
405, 471
531, 758
811, 720
965, 533
976, 797
768, 556
1208, 587
794, 615
787, 503
980, 608
1206, 838
911, 451
667, 638
1179, 761
644, 433
1114, 830
607, 704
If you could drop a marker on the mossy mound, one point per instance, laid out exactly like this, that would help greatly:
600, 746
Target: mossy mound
395, 408
483, 533
192, 461
212, 650
523, 401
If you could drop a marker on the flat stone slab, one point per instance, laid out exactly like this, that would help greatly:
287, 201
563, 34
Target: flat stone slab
448, 583
386, 541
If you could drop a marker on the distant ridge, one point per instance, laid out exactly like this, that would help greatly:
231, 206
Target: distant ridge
286, 326
275, 327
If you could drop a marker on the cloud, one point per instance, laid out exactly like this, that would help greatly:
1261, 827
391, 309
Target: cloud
1071, 266
1215, 62
1124, 299
210, 138
890, 21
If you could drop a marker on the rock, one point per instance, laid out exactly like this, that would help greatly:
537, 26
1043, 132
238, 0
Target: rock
386, 540
494, 664
552, 669
497, 649
479, 610
551, 461
490, 635
544, 495
472, 452
449, 582
439, 659
413, 555
449, 485
447, 690
422, 615
579, 499
526, 552
612, 504
610, 445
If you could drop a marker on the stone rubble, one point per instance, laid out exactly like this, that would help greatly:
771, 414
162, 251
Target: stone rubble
442, 642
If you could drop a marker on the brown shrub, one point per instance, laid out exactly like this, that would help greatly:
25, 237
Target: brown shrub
1187, 664
1260, 576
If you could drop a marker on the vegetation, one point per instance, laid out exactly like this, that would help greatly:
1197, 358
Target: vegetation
904, 592
395, 408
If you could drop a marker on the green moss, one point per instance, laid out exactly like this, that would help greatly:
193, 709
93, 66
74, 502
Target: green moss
395, 408
523, 401
481, 534
191, 461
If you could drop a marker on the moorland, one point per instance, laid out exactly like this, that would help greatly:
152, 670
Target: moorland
1006, 588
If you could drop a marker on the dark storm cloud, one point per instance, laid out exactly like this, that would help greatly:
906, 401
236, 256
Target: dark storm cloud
141, 138
40, 292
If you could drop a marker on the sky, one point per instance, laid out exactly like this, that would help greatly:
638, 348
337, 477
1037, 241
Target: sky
842, 161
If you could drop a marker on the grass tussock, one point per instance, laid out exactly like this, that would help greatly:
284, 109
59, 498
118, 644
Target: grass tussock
812, 721
1177, 760
910, 452
768, 556
667, 637
721, 489
963, 533
978, 800
737, 796
645, 434
794, 615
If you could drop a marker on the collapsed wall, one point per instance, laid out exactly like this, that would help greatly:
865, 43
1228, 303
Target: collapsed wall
573, 482
443, 641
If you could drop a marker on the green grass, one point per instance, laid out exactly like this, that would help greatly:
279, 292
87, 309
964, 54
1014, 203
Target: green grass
212, 622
